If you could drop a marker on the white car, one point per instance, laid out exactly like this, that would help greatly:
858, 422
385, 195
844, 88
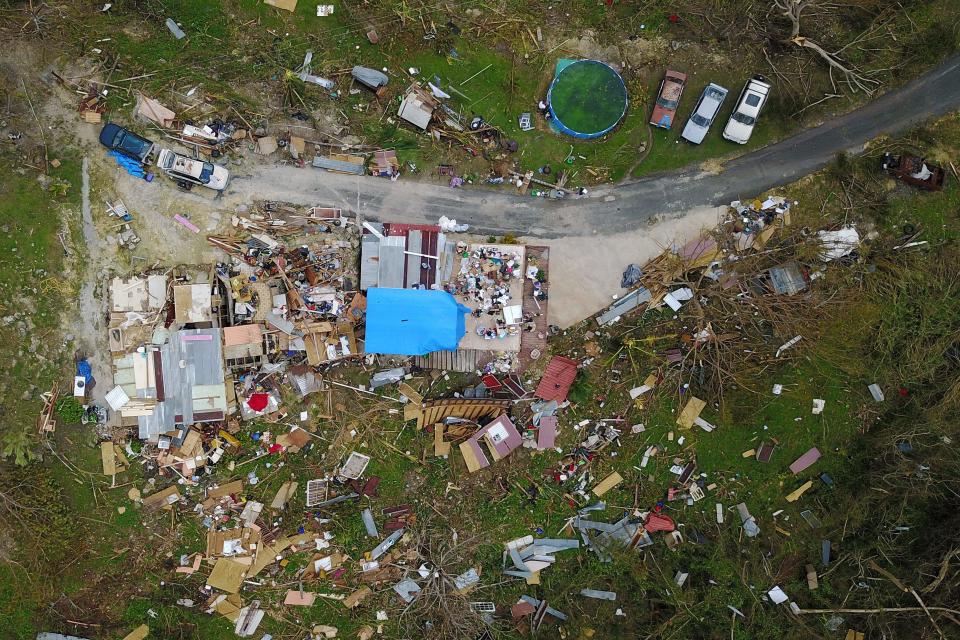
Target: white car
744, 116
188, 172
703, 114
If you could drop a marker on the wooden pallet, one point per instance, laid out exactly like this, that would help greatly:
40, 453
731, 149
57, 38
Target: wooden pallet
461, 360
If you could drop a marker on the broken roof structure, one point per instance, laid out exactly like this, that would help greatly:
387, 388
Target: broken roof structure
243, 345
138, 294
184, 377
557, 379
418, 106
412, 322
432, 411
405, 256
193, 303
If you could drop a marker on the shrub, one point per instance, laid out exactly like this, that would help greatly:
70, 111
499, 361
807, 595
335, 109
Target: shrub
70, 410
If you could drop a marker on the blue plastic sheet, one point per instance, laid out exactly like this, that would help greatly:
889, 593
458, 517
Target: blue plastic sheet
84, 369
131, 166
413, 322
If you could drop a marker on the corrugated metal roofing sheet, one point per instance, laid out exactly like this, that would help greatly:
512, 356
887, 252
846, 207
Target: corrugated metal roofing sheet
625, 304
322, 162
557, 379
392, 262
414, 245
369, 262
787, 279
189, 367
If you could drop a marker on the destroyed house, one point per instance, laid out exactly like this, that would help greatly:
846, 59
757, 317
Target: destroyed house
405, 256
186, 381
139, 294
135, 304
243, 346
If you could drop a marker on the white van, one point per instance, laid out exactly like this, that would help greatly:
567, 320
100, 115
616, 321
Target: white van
744, 116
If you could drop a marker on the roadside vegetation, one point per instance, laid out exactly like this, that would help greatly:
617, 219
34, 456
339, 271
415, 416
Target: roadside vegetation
35, 293
496, 59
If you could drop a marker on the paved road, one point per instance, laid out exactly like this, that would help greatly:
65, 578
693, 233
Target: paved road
617, 209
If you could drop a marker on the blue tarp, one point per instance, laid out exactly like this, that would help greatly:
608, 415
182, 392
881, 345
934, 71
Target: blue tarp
84, 369
413, 322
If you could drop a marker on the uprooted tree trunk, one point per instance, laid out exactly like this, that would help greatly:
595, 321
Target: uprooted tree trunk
856, 80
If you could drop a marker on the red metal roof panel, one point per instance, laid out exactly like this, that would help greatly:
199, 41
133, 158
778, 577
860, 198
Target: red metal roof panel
557, 379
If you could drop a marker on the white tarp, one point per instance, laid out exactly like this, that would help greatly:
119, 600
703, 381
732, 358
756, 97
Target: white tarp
839, 243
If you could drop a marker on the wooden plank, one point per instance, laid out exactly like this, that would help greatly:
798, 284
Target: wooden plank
491, 447
356, 597
607, 483
287, 490
793, 497
473, 465
812, 582
108, 459
440, 448
411, 412
226, 489
227, 575
691, 412
287, 5
162, 499
139, 633
411, 393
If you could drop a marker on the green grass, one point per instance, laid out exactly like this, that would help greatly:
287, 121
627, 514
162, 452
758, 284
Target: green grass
933, 213
18, 606
31, 259
668, 151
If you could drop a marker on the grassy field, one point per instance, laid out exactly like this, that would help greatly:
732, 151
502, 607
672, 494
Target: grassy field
33, 292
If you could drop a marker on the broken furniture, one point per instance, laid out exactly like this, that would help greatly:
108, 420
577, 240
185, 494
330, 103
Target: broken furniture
501, 438
914, 171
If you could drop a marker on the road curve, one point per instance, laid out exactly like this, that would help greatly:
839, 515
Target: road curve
616, 209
